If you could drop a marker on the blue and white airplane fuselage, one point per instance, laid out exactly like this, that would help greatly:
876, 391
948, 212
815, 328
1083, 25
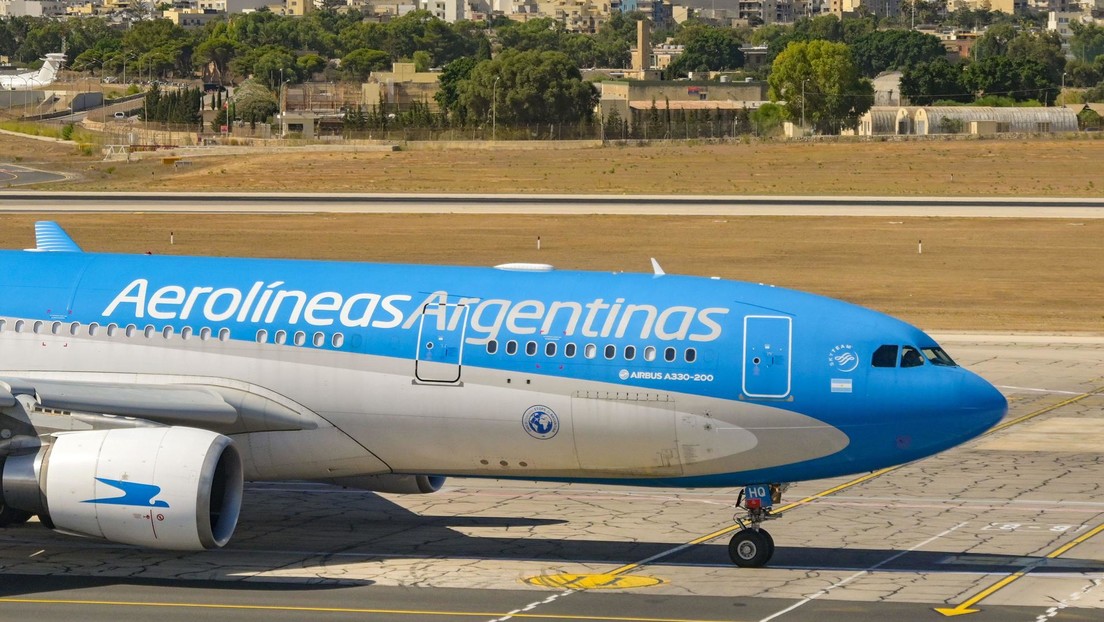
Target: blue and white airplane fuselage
357, 372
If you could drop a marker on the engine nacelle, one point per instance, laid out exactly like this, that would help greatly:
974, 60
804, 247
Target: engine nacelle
168, 488
394, 483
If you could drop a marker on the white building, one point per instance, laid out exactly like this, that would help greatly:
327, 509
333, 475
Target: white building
32, 8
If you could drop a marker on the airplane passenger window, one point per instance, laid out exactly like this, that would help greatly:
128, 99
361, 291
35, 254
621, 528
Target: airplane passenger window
93, 328
338, 340
884, 356
569, 350
37, 327
511, 347
224, 334
55, 328
149, 330
112, 329
531, 348
630, 353
19, 324
262, 336
691, 355
130, 330
300, 338
550, 348
492, 346
938, 357
204, 333
669, 355
167, 332
910, 357
281, 337
74, 327
590, 350
319, 340
649, 353
3, 323
611, 351
186, 332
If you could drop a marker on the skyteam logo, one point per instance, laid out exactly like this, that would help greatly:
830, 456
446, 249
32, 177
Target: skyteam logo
843, 358
540, 422
140, 495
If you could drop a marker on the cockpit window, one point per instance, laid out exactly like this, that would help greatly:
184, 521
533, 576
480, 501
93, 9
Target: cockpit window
885, 356
910, 357
938, 357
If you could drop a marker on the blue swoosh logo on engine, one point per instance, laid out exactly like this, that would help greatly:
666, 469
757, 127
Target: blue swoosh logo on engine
133, 494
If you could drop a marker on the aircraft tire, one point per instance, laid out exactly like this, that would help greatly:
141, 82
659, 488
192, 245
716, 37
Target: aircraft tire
751, 548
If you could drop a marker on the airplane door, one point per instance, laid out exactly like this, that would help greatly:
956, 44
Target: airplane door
441, 342
767, 356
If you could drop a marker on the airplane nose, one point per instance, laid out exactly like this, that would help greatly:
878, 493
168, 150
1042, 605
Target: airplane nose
982, 405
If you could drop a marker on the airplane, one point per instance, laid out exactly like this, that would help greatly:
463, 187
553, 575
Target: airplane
35, 79
138, 392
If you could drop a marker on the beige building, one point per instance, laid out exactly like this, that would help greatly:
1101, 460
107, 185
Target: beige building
402, 86
633, 100
298, 8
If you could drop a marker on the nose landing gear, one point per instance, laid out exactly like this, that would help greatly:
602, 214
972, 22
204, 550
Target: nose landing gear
752, 546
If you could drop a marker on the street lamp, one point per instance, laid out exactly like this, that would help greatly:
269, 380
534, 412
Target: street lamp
494, 109
803, 105
1062, 92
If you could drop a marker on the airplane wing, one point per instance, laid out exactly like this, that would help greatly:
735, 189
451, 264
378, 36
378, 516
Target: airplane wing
221, 409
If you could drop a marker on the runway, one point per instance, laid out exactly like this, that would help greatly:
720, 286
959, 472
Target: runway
15, 201
1007, 527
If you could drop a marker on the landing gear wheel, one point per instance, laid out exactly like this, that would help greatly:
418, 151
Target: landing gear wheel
751, 548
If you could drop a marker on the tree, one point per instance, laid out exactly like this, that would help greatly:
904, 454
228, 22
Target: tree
448, 87
254, 103
767, 119
1021, 79
937, 80
532, 87
216, 53
708, 48
881, 50
358, 64
1087, 42
819, 79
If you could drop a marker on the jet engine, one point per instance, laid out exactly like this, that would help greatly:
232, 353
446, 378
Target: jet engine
393, 483
171, 488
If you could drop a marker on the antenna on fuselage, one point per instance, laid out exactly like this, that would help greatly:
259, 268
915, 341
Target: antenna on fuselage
657, 268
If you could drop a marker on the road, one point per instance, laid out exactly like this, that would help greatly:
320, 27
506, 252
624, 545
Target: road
23, 201
1007, 527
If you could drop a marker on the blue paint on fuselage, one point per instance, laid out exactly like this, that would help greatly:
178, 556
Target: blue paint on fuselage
891, 415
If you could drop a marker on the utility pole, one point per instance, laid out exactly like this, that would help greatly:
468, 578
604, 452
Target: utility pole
494, 110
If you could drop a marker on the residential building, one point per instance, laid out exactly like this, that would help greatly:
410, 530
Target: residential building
401, 86
191, 18
32, 8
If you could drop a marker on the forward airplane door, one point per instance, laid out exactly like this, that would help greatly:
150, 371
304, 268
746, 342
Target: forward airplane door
767, 370
441, 342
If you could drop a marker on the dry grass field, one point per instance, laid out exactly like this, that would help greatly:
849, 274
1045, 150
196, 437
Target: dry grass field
1054, 167
974, 274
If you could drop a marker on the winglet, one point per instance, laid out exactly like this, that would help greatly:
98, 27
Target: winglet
49, 236
656, 267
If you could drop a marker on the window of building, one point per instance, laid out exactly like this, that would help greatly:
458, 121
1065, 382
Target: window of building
884, 356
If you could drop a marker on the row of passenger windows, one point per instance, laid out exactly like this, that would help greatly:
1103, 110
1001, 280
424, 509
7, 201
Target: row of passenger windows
40, 327
299, 338
886, 356
590, 350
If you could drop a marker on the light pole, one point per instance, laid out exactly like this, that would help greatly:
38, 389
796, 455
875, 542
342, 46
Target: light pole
1063, 91
494, 110
803, 105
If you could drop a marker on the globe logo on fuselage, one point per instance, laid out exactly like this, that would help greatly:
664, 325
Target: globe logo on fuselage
540, 422
843, 358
